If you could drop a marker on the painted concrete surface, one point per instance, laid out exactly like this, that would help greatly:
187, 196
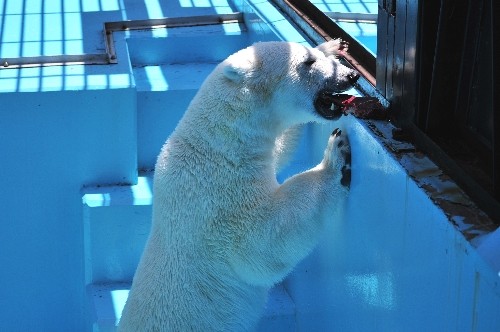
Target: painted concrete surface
52, 143
394, 262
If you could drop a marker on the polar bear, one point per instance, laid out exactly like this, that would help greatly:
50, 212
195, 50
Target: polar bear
224, 230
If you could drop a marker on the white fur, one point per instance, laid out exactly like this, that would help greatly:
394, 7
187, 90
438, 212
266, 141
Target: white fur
224, 231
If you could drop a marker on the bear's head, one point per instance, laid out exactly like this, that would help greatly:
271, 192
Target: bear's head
290, 78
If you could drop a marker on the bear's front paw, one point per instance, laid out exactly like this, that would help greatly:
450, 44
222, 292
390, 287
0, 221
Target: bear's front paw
334, 47
338, 156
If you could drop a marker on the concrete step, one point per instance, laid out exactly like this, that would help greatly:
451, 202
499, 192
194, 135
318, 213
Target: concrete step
199, 46
107, 302
117, 220
163, 95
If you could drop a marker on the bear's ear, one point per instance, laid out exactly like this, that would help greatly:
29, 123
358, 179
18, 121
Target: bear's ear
237, 69
234, 73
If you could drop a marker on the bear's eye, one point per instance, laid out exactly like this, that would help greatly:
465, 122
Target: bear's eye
309, 62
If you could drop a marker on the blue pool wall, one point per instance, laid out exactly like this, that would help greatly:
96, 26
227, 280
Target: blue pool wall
393, 262
52, 143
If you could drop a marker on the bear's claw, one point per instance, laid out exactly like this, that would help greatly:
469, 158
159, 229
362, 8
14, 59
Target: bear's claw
338, 156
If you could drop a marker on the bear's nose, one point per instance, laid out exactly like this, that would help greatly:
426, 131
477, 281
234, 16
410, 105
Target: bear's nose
353, 77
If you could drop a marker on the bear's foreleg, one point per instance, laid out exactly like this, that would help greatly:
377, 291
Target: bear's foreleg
285, 229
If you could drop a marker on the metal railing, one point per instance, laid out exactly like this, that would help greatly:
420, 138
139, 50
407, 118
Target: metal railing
110, 56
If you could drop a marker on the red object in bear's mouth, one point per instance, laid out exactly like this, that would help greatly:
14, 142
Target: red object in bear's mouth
331, 106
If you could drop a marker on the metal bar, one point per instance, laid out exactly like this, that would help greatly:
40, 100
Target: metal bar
110, 56
353, 17
495, 54
174, 22
383, 39
54, 60
396, 64
425, 53
408, 66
